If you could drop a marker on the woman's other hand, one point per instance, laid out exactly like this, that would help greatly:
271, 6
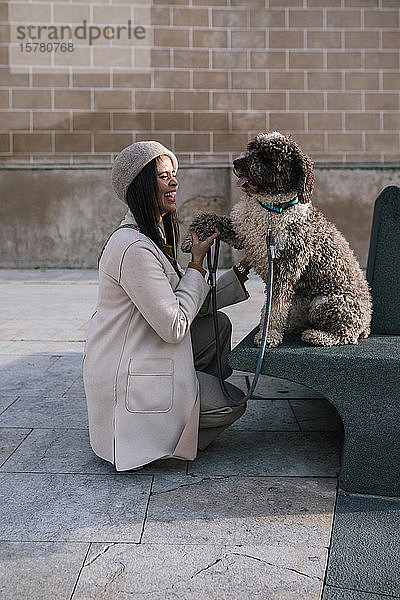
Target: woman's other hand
245, 264
199, 249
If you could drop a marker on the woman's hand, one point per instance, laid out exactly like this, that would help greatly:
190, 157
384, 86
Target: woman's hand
199, 249
245, 264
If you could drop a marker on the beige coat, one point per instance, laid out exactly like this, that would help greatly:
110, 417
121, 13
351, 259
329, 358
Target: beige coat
141, 386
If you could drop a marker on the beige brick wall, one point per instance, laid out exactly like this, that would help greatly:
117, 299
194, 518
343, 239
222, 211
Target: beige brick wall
207, 77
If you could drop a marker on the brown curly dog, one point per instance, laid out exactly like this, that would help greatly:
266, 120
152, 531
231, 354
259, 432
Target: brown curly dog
317, 278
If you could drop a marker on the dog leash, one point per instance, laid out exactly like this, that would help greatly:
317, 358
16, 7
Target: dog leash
212, 268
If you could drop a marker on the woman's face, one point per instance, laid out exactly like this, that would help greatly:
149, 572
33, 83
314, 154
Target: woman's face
166, 183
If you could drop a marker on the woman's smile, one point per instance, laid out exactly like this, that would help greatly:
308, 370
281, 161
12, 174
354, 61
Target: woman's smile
170, 195
167, 184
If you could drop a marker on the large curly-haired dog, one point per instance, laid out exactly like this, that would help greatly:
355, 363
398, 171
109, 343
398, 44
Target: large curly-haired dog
316, 275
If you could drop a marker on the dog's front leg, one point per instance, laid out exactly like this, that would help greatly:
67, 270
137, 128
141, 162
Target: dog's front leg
280, 305
204, 224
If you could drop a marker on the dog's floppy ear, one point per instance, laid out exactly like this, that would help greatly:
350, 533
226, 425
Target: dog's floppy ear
306, 181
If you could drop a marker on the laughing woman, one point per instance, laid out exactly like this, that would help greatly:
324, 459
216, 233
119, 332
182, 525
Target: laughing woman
149, 362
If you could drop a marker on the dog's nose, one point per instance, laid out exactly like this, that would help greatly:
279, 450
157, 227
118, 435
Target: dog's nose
239, 159
238, 162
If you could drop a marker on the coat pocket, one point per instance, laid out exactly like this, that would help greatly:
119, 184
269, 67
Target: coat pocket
150, 385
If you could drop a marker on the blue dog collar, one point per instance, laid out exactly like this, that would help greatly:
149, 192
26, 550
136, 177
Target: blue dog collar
279, 208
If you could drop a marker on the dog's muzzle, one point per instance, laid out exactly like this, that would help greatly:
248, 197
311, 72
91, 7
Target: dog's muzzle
238, 164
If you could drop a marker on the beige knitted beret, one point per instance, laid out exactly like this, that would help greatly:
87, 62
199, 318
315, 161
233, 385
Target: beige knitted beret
131, 160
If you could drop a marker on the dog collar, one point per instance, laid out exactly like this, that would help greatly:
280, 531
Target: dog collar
278, 207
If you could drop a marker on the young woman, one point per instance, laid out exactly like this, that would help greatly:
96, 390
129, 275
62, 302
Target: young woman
149, 362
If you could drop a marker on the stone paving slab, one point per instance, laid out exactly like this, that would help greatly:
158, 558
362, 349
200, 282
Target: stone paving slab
10, 439
264, 415
365, 554
19, 373
273, 387
6, 400
67, 370
48, 275
38, 412
5, 345
312, 408
316, 415
268, 385
39, 570
209, 571
68, 364
241, 510
38, 347
323, 424
79, 508
48, 374
69, 451
69, 302
334, 593
309, 414
269, 453
76, 390
56, 451
73, 330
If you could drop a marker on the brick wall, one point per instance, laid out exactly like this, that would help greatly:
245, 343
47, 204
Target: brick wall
206, 78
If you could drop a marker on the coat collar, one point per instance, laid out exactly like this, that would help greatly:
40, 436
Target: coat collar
129, 219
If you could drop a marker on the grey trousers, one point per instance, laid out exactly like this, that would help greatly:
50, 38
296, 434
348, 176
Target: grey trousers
216, 413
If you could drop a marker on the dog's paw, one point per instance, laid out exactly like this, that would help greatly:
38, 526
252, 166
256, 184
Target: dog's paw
186, 245
317, 337
203, 225
274, 338
364, 334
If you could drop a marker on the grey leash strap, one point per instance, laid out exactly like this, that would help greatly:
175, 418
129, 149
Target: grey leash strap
212, 268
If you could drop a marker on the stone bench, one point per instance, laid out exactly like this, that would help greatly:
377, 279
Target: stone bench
361, 381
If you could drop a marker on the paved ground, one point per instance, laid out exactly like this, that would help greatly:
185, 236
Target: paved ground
250, 518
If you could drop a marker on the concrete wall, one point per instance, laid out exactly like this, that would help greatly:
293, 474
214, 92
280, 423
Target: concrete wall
60, 217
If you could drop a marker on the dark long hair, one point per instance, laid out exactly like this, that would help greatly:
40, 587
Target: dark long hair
143, 202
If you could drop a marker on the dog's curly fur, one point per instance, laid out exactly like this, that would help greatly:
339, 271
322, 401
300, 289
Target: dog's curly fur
317, 277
